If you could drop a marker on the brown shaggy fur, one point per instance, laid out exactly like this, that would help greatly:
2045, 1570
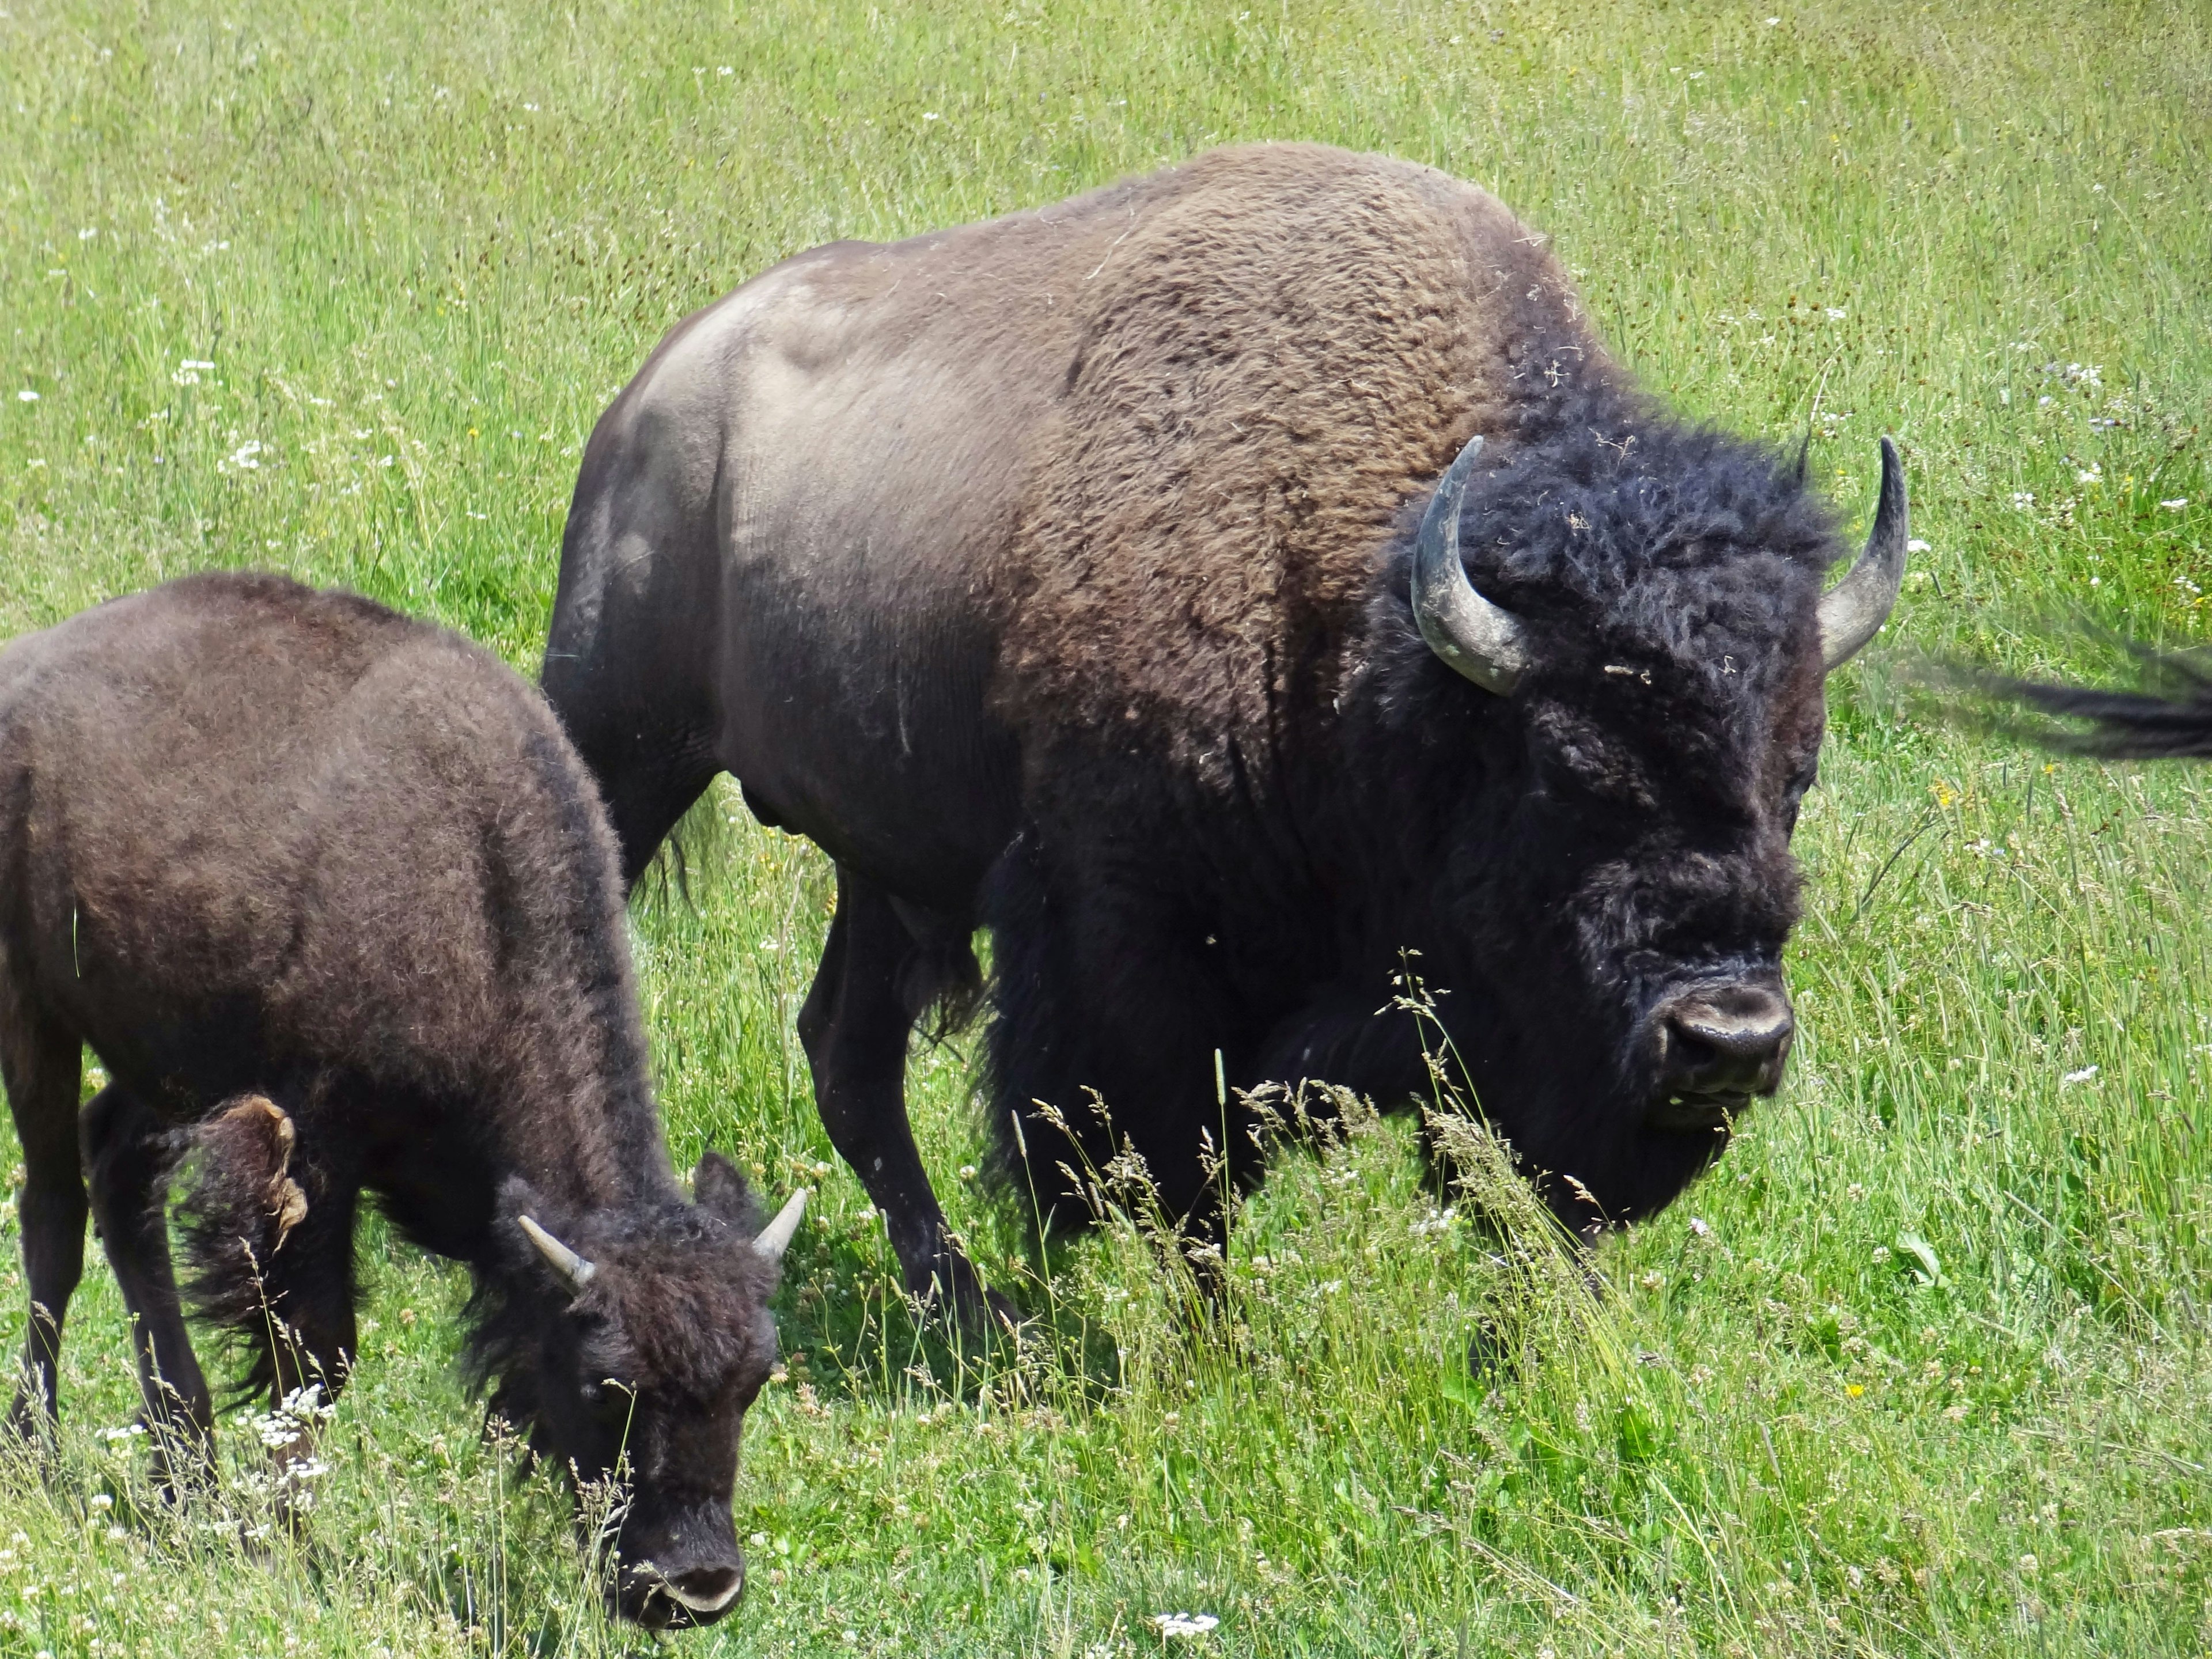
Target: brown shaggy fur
1281, 346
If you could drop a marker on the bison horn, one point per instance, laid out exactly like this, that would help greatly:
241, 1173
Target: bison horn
776, 1239
1474, 636
1854, 610
562, 1259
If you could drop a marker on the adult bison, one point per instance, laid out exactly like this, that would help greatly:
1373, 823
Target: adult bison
1087, 575
327, 889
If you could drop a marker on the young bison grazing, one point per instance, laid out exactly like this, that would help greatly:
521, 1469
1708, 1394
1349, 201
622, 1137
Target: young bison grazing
331, 896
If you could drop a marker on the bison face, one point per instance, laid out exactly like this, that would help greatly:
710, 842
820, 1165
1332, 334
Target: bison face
1629, 912
1642, 721
651, 1338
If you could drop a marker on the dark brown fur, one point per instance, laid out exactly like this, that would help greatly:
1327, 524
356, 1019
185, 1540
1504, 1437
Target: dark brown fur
288, 861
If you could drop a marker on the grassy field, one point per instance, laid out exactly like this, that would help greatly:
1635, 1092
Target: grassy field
1923, 1367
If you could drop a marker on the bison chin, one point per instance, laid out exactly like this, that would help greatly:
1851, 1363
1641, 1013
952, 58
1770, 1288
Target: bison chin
1615, 1137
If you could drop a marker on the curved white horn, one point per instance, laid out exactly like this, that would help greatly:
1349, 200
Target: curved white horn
1476, 637
562, 1259
1854, 610
776, 1239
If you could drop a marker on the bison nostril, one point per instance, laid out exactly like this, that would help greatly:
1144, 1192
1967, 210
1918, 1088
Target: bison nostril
1730, 1041
706, 1590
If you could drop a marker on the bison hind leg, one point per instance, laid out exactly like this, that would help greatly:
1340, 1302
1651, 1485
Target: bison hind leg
130, 1154
42, 1065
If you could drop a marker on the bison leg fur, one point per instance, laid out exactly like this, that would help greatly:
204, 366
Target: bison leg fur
128, 1156
42, 1065
854, 1024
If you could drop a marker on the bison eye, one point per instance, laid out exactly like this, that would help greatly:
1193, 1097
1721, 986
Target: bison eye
1794, 796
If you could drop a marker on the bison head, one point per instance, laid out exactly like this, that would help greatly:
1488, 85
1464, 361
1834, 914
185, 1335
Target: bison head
632, 1342
1636, 718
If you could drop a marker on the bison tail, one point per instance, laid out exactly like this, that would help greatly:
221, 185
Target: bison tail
242, 1206
2170, 719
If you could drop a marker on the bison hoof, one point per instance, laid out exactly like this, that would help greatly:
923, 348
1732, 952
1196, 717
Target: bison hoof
954, 1292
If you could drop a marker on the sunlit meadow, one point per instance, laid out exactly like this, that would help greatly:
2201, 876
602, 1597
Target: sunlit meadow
1921, 1368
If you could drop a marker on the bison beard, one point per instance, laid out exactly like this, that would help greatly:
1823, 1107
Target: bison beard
1057, 575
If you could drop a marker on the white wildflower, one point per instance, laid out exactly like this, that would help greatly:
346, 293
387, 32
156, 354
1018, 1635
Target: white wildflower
1184, 1624
2023, 499
2082, 1076
1837, 314
1916, 545
246, 457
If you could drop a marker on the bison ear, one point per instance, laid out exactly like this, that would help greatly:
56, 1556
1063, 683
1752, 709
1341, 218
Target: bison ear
720, 1190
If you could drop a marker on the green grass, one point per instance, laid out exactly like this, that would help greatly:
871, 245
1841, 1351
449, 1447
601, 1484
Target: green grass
1923, 1367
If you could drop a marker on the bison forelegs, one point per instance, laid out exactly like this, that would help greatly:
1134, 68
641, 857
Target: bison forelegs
128, 1156
42, 1066
855, 1024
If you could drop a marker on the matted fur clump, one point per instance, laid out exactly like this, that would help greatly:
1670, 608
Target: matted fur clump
243, 1204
